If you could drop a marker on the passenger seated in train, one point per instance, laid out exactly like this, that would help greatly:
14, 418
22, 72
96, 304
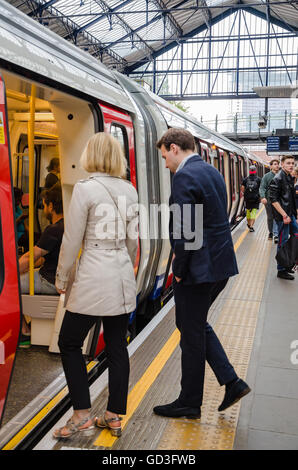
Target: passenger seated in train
46, 253
20, 216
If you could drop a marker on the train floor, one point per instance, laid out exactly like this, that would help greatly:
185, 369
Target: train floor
34, 369
256, 320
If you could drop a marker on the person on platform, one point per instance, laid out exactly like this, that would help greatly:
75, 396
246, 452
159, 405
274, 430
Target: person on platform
264, 190
296, 188
201, 271
250, 189
283, 199
104, 283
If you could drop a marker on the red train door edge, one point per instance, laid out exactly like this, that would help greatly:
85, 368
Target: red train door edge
10, 305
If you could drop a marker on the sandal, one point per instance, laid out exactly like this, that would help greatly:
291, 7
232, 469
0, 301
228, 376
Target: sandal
72, 428
102, 422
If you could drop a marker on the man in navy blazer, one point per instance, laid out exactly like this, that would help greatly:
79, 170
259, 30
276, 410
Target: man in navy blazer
204, 259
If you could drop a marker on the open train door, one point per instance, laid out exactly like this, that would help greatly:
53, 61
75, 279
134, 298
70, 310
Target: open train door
10, 305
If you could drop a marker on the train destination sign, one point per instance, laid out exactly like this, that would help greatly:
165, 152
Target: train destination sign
282, 145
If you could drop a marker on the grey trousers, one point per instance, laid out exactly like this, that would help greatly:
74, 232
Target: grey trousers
272, 225
41, 285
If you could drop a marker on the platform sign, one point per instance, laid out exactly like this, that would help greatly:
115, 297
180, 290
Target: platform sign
282, 145
293, 144
273, 144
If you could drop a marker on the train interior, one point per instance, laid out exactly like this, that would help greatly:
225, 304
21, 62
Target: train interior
62, 124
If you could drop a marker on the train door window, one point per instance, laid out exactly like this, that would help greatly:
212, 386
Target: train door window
216, 163
197, 146
232, 179
237, 175
119, 132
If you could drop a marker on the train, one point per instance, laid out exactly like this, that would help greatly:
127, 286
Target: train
53, 98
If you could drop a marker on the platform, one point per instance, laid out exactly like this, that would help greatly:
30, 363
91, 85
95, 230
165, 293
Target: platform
256, 320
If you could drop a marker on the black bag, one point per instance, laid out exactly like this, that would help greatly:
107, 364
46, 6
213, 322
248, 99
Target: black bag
287, 255
251, 192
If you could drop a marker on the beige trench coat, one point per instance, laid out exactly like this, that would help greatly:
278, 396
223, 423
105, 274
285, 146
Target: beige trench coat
102, 282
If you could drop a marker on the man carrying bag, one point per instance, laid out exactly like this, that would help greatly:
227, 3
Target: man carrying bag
282, 198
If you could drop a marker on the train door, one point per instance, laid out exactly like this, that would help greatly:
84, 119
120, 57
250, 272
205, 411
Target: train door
205, 152
120, 125
234, 180
228, 181
10, 305
221, 162
242, 175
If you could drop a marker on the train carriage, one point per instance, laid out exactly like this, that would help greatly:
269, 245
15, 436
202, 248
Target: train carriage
53, 97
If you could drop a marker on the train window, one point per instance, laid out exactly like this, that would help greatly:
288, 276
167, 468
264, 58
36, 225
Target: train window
216, 163
232, 169
237, 169
197, 146
119, 132
222, 165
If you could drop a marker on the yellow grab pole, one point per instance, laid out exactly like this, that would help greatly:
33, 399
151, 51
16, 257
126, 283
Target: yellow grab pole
31, 124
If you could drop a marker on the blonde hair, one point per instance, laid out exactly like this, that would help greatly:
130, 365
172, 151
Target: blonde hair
103, 153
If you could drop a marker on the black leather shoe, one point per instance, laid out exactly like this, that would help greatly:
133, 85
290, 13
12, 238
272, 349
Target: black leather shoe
238, 390
176, 410
285, 275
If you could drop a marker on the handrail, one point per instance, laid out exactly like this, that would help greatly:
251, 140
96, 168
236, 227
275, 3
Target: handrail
31, 125
245, 123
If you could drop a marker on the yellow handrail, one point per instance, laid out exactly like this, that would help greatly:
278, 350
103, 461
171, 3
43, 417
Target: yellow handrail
31, 124
16, 95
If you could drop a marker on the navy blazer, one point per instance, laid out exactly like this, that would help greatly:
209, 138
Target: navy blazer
197, 182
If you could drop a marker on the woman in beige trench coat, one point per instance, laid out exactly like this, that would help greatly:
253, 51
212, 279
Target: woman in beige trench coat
102, 220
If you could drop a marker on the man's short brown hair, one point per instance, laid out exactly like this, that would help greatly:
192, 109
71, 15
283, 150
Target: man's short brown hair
181, 137
54, 195
274, 160
285, 157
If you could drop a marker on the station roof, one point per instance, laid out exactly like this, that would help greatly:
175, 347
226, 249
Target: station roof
126, 33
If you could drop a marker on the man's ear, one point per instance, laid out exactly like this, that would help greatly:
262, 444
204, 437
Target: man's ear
174, 148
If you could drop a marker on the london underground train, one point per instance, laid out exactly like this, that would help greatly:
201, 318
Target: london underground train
53, 98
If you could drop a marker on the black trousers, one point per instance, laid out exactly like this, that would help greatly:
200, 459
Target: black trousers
198, 340
74, 330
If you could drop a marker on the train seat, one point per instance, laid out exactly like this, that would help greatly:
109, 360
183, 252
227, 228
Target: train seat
42, 311
46, 319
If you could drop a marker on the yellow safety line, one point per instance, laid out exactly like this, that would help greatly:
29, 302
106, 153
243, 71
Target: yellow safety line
140, 389
135, 397
37, 418
137, 394
235, 326
243, 235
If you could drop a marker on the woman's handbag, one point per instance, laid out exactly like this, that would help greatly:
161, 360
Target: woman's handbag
287, 255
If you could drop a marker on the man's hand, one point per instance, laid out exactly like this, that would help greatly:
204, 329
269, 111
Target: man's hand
286, 219
264, 201
178, 279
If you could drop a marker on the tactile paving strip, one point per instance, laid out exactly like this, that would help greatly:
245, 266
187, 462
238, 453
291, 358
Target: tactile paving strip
236, 329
